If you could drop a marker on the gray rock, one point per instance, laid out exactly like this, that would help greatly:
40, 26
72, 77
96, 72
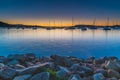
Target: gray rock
23, 77
104, 72
87, 70
32, 69
63, 72
65, 69
75, 77
29, 70
114, 65
61, 60
41, 76
75, 67
8, 73
98, 76
2, 65
18, 66
29, 64
113, 73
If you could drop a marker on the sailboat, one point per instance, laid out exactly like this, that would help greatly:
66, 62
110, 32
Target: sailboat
93, 27
49, 28
107, 27
116, 27
34, 28
71, 27
83, 28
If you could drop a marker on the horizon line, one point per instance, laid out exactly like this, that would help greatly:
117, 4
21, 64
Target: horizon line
72, 25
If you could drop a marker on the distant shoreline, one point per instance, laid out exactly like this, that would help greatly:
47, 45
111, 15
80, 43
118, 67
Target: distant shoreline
4, 24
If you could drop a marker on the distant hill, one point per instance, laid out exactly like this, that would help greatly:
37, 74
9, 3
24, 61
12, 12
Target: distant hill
3, 24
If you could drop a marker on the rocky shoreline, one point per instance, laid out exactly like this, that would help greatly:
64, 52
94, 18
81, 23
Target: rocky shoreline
55, 67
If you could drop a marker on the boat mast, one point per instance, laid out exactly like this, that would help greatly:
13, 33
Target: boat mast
49, 22
94, 22
72, 21
107, 21
61, 22
54, 23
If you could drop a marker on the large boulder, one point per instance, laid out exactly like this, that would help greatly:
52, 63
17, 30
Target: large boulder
75, 67
63, 72
8, 73
41, 76
114, 65
75, 77
32, 69
82, 70
87, 70
23, 77
29, 70
102, 71
98, 76
18, 66
61, 60
2, 65
113, 73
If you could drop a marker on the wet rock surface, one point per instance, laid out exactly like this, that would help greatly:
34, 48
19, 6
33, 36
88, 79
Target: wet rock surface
56, 67
23, 77
41, 76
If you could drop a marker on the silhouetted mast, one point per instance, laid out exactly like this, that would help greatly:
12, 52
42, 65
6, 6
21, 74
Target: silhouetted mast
54, 23
49, 22
61, 22
72, 21
94, 22
107, 21
116, 22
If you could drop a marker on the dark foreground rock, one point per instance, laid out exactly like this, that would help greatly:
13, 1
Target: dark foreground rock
23, 77
41, 76
8, 73
55, 67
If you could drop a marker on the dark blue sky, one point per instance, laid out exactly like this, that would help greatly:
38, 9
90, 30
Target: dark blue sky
46, 9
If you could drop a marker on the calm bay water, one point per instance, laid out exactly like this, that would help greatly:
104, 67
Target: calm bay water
44, 42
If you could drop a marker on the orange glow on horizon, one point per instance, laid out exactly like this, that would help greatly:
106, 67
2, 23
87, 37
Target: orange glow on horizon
60, 23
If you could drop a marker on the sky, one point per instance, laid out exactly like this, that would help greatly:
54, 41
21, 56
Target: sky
59, 12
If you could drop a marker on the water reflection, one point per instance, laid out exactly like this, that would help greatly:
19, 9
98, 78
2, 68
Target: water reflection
59, 41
